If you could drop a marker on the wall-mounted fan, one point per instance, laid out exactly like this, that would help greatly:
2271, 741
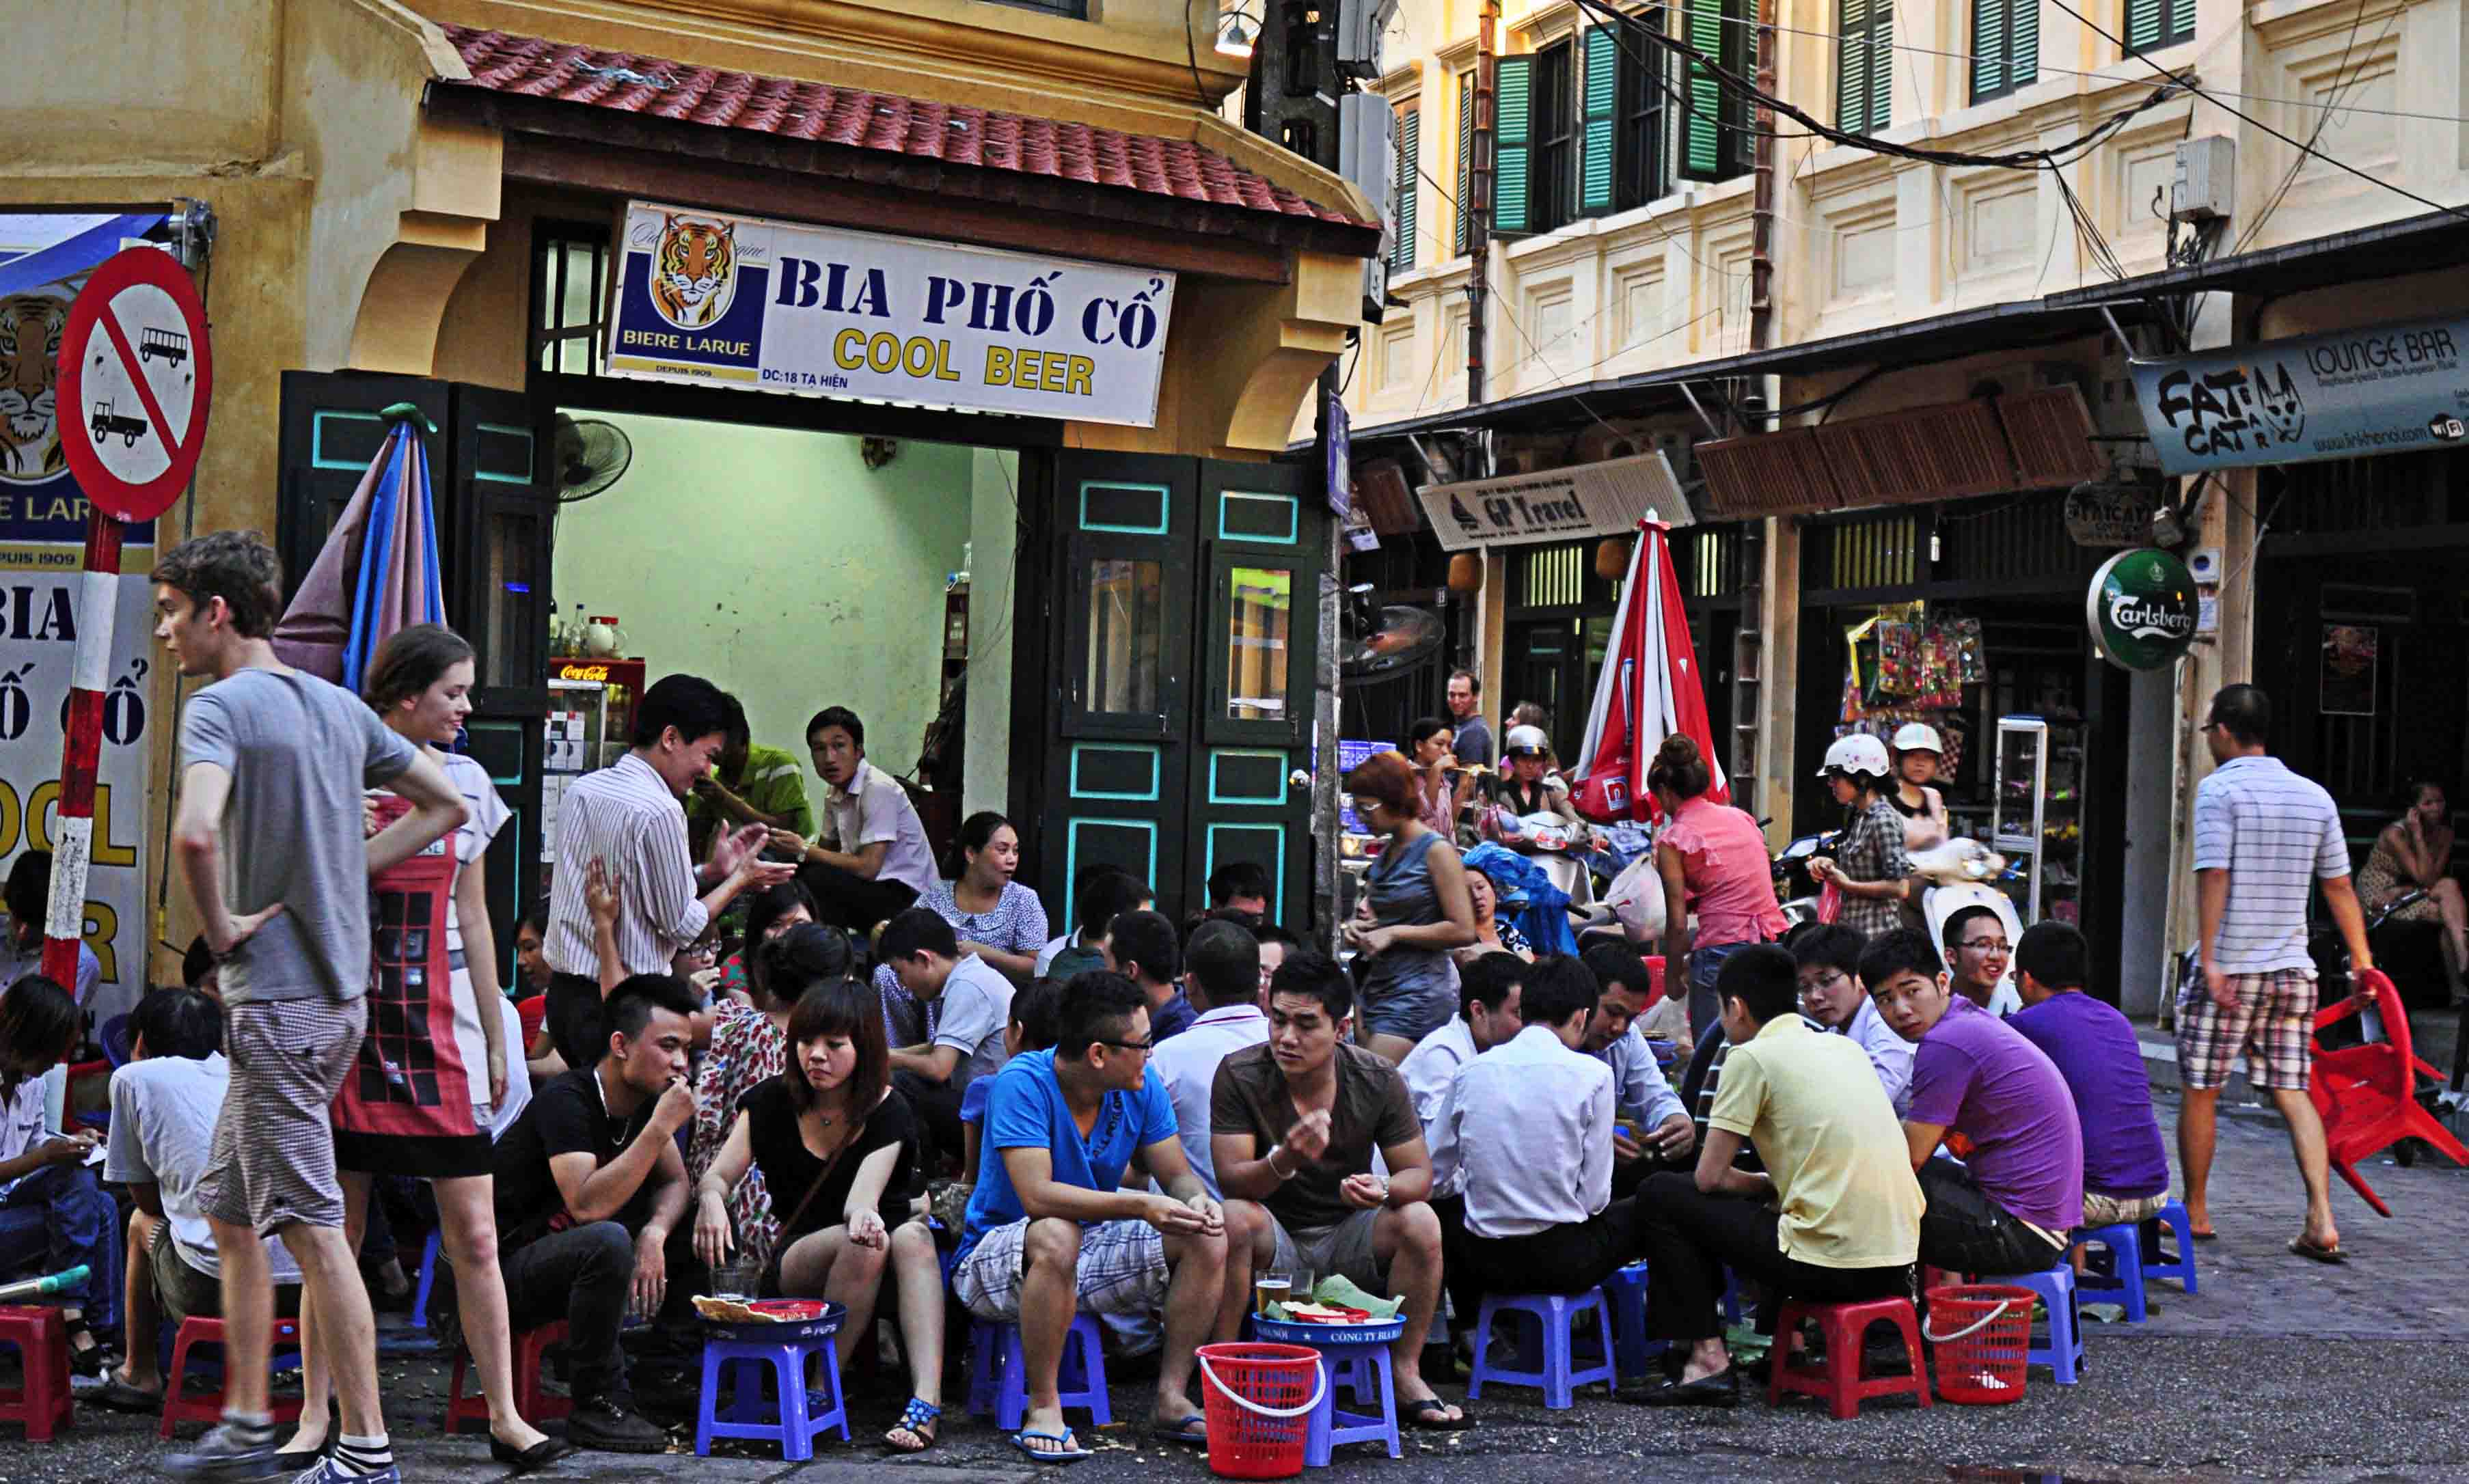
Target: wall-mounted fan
1378, 641
591, 456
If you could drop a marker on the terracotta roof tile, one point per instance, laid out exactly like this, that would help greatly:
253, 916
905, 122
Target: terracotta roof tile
529, 66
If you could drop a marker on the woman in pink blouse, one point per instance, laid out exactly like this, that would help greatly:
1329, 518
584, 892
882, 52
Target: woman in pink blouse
1712, 860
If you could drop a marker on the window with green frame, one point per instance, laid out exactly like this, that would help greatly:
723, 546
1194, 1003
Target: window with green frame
1717, 142
2153, 24
1865, 65
1465, 159
1403, 188
2005, 47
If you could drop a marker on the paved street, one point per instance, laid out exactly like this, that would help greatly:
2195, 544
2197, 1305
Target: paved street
2235, 1382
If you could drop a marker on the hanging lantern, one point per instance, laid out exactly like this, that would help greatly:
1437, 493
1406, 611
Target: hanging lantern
1611, 558
1466, 572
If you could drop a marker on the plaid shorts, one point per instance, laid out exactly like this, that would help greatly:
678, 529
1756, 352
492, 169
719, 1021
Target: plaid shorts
2271, 1023
274, 1153
1122, 1270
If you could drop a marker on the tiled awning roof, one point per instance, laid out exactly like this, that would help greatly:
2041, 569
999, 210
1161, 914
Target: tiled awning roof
819, 113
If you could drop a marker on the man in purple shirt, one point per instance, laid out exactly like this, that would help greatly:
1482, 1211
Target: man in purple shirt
2126, 1171
2008, 1208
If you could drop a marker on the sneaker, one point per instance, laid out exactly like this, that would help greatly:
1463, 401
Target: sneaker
325, 1471
612, 1426
222, 1455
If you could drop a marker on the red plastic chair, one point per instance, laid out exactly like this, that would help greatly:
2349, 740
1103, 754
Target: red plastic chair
2366, 1094
80, 1074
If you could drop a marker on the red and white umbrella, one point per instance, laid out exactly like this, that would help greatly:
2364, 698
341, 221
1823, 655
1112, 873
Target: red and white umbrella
1651, 688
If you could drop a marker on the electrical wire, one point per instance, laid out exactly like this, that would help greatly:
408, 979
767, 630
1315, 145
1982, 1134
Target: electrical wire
2178, 80
2322, 120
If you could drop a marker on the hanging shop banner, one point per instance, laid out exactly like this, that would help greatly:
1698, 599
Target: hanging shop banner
1608, 498
2141, 609
45, 258
2336, 396
784, 306
40, 616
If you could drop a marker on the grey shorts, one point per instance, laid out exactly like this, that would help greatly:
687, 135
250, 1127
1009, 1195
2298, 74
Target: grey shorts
1345, 1248
273, 1160
1122, 1270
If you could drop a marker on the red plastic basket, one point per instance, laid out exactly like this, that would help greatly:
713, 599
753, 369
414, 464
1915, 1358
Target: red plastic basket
1260, 1399
1981, 1335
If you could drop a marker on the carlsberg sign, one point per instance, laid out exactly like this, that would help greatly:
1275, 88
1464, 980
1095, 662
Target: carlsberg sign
2141, 609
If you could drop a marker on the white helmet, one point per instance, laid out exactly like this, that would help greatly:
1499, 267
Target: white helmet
1526, 739
1919, 736
1858, 753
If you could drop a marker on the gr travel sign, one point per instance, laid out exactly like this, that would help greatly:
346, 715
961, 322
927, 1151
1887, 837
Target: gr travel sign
2141, 609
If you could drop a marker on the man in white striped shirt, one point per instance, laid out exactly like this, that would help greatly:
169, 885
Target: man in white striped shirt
628, 817
2264, 837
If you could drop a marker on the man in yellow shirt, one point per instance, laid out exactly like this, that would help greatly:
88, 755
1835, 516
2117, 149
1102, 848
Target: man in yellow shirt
748, 785
1835, 1214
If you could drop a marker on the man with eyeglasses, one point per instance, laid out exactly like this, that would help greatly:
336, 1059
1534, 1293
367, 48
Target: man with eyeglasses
1055, 1230
1977, 951
1828, 958
1293, 1123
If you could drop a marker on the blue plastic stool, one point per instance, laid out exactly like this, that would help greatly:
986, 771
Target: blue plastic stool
998, 1388
2063, 1351
792, 1419
427, 1280
2131, 1256
1632, 1352
1731, 1296
1364, 1370
1558, 1374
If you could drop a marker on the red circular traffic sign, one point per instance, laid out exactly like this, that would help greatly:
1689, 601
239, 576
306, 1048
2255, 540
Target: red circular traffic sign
136, 378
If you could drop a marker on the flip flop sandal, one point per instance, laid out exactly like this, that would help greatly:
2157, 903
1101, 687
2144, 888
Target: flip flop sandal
1191, 1432
1070, 1454
2321, 1254
919, 1419
1427, 1415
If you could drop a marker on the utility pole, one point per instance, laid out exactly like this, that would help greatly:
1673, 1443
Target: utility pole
1479, 208
1761, 157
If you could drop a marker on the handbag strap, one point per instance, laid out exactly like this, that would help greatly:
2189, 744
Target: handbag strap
825, 1178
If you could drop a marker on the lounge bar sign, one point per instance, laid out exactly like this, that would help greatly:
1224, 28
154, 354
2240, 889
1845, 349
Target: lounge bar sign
1608, 498
2382, 389
709, 299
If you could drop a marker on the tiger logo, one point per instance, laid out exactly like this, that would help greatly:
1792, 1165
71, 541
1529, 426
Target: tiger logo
30, 325
694, 271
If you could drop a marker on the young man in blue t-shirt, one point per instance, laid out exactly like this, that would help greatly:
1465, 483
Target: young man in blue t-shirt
1052, 1230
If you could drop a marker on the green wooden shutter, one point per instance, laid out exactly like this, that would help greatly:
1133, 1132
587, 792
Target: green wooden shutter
1465, 158
2145, 24
1649, 103
1865, 65
1595, 172
1512, 127
2023, 50
1881, 63
2005, 46
1702, 152
1410, 132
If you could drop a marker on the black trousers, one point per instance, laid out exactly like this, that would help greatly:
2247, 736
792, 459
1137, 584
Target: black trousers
1691, 1237
1965, 1232
937, 1106
845, 898
1567, 1259
576, 1026
584, 1276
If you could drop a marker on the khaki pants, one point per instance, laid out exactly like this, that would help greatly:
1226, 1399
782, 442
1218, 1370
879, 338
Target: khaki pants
2101, 1210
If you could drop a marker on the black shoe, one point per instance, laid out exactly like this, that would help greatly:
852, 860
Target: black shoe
530, 1460
1722, 1389
612, 1426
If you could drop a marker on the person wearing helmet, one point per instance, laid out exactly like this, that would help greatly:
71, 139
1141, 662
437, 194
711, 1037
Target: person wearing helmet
1530, 787
1918, 750
1870, 867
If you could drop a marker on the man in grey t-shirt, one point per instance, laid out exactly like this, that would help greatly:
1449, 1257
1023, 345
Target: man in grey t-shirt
275, 762
1473, 744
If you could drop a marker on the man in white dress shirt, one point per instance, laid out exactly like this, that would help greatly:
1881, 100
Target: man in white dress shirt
1489, 994
1222, 979
1828, 955
1526, 1127
872, 860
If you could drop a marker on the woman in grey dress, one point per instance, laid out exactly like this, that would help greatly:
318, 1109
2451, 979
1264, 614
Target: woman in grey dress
1420, 909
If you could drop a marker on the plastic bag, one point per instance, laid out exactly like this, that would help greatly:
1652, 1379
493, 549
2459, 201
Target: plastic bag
1636, 900
1830, 902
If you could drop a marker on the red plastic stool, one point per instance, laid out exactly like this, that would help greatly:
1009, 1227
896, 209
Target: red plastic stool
536, 1405
181, 1405
1841, 1383
42, 1403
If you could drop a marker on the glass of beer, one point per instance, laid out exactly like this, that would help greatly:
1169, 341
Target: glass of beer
1273, 1287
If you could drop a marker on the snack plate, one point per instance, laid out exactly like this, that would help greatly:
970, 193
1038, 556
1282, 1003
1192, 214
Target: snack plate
781, 1320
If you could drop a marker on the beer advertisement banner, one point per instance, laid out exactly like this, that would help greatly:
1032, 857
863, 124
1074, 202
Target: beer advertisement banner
45, 257
709, 299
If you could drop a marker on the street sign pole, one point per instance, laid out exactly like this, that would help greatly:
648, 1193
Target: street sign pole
136, 378
81, 746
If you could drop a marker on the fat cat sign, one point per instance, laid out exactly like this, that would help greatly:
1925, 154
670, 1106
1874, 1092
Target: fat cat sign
820, 311
136, 377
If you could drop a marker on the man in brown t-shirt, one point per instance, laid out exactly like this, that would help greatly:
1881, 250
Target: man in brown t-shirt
1292, 1127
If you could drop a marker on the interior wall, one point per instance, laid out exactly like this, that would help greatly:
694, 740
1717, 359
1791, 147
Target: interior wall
774, 563
994, 534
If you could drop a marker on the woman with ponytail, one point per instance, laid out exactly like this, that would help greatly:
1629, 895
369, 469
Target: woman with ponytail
1713, 862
